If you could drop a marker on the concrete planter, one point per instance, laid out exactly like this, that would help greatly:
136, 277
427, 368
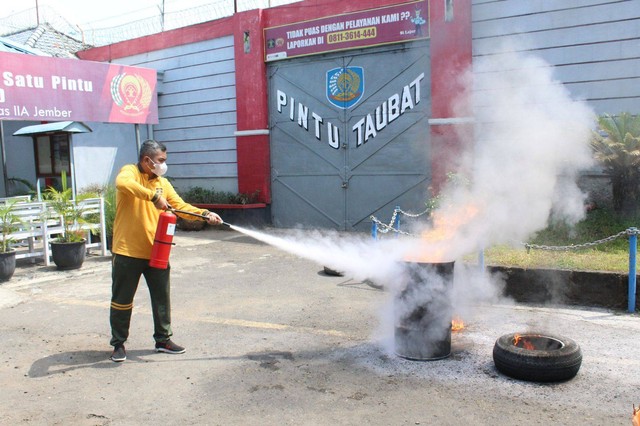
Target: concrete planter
68, 256
7, 265
584, 288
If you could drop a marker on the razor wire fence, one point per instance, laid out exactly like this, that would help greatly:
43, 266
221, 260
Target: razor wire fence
379, 227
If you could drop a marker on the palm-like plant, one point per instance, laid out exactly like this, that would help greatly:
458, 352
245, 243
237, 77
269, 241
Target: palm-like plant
9, 223
109, 194
616, 145
68, 209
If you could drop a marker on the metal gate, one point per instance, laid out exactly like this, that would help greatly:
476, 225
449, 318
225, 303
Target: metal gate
349, 136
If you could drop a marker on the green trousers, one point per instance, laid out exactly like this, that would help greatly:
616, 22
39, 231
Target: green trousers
125, 274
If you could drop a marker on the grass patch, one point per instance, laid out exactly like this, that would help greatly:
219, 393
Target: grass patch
583, 260
599, 224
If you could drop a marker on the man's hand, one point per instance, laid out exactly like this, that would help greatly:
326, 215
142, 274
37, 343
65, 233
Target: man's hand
214, 219
161, 203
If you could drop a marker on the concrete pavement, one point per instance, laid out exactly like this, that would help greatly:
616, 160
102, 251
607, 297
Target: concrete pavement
271, 340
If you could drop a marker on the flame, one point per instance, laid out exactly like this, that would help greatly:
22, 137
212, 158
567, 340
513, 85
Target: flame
457, 324
525, 343
636, 416
438, 241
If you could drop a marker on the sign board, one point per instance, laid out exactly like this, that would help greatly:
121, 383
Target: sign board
384, 25
42, 88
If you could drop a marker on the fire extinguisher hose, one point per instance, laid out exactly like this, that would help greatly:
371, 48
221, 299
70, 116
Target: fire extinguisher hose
198, 215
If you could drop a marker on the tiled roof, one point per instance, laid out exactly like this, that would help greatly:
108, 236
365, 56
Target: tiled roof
46, 39
12, 46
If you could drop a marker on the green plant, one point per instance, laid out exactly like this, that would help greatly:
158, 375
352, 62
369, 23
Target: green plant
199, 195
109, 195
69, 210
14, 187
454, 180
9, 223
616, 145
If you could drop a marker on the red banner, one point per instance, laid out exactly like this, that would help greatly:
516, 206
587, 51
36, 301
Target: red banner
41, 88
391, 24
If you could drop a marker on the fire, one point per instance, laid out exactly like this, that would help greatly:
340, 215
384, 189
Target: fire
457, 324
438, 241
636, 416
525, 343
446, 223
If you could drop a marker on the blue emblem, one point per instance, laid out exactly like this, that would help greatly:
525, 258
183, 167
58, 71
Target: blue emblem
345, 86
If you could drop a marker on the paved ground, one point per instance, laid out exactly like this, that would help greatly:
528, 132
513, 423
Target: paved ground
272, 340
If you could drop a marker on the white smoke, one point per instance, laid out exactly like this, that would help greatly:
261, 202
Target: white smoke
531, 141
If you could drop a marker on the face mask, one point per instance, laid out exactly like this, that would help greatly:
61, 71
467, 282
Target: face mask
159, 169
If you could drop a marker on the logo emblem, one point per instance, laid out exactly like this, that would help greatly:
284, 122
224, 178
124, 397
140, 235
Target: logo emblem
345, 86
131, 92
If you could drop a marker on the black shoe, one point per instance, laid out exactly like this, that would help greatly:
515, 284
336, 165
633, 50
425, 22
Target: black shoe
119, 353
169, 347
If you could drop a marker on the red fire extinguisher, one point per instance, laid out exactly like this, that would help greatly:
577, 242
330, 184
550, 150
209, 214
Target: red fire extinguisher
163, 241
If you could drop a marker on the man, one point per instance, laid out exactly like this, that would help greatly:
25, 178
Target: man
142, 193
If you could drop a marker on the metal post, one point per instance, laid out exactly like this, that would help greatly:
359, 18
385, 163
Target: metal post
137, 130
633, 249
396, 223
481, 259
374, 230
72, 168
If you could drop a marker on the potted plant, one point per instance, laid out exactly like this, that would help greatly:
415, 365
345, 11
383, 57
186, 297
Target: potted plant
69, 249
9, 223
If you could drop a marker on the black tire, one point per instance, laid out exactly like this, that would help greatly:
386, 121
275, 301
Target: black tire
537, 365
332, 272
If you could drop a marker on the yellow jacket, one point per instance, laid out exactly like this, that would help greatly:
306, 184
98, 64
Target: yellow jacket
136, 219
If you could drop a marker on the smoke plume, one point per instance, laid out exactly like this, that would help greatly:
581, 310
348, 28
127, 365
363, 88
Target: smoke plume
530, 143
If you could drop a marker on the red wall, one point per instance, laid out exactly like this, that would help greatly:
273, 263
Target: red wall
450, 55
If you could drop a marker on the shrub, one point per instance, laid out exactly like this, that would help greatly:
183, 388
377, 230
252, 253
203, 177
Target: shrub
199, 195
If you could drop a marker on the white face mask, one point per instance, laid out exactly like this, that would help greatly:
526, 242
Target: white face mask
159, 169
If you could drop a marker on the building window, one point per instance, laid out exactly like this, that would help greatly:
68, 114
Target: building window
448, 10
52, 155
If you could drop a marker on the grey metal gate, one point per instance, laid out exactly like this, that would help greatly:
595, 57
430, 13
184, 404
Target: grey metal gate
349, 136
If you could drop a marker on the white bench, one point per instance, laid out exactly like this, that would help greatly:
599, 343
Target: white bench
39, 225
16, 199
94, 206
35, 225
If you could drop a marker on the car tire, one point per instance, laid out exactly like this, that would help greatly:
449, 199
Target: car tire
537, 365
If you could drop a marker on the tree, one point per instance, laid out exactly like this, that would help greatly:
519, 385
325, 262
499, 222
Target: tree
616, 145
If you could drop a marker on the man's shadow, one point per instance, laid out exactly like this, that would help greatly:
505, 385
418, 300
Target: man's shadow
69, 361
65, 362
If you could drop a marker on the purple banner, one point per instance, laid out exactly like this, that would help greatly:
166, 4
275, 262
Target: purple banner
391, 24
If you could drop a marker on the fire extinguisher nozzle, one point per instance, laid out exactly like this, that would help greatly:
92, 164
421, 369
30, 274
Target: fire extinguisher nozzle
226, 225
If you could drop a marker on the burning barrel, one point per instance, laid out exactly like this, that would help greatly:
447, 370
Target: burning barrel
423, 311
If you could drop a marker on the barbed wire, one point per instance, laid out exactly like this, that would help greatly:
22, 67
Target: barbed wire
385, 228
146, 21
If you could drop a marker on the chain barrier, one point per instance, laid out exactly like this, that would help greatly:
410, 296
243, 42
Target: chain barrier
385, 228
412, 215
625, 233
